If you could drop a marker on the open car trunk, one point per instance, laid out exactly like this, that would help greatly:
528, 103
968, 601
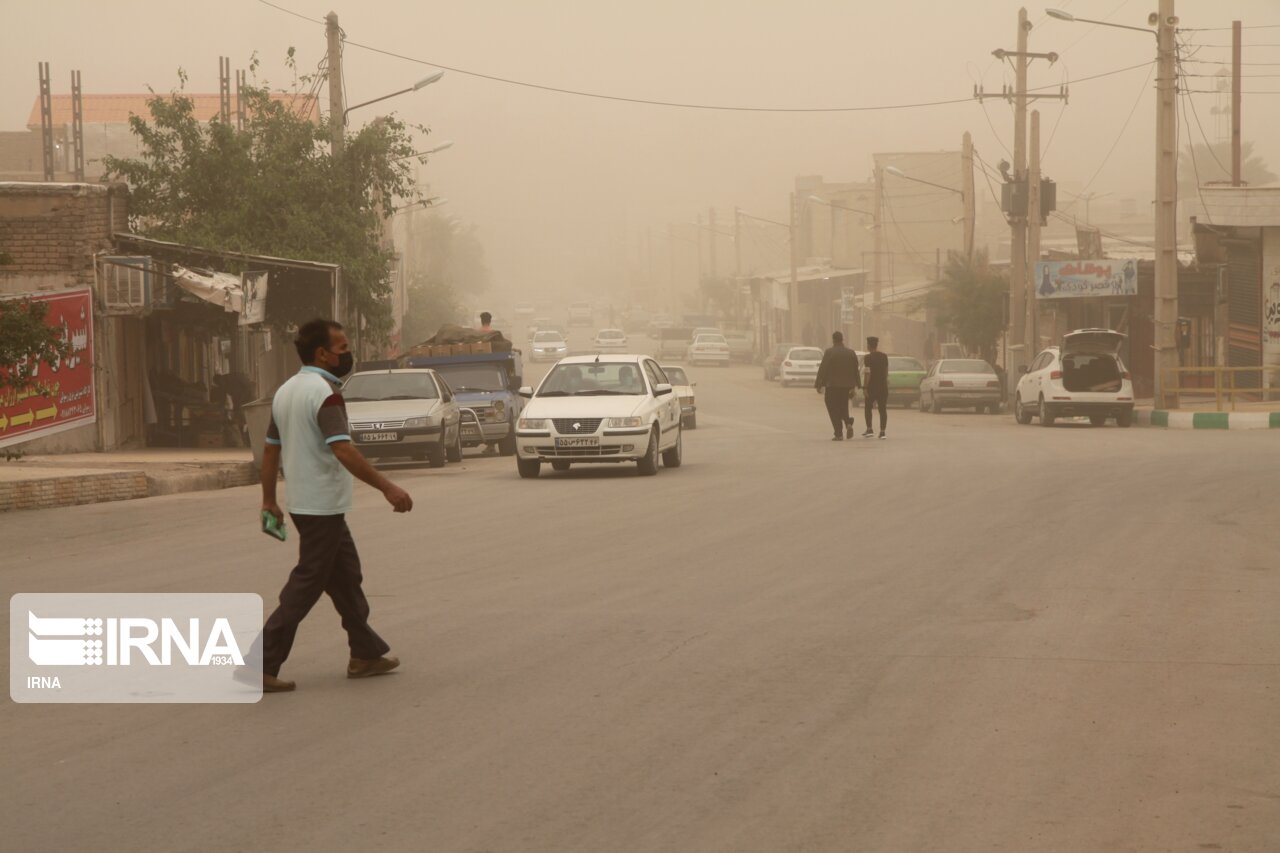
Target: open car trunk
1091, 372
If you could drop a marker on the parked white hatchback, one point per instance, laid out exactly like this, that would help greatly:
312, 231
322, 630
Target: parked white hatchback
592, 409
1084, 376
799, 365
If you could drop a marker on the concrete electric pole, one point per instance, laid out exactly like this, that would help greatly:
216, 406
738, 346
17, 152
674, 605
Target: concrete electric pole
966, 188
1033, 237
337, 107
1166, 272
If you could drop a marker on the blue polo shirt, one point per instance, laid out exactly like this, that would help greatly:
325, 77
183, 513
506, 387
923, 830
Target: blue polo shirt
307, 415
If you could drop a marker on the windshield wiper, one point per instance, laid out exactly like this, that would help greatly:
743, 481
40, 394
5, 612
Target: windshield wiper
406, 397
469, 388
603, 392
554, 394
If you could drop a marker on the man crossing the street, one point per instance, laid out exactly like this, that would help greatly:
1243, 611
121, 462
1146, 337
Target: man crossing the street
310, 436
838, 377
876, 393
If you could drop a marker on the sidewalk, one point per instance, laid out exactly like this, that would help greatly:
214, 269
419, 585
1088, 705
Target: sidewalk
1204, 415
43, 482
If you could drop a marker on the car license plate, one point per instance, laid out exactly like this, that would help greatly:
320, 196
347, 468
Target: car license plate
470, 432
379, 436
581, 441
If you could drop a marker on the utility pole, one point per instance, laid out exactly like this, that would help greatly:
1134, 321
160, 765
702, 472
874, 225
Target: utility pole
1018, 246
793, 290
877, 248
966, 185
1033, 237
337, 107
711, 224
737, 243
1235, 104
77, 126
1166, 242
241, 81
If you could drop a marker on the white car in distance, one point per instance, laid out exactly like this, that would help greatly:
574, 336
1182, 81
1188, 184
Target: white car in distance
610, 340
799, 365
594, 409
549, 346
708, 348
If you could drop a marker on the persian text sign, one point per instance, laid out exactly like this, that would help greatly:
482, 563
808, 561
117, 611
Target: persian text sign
1064, 279
67, 398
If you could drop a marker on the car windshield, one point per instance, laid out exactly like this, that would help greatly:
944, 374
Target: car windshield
474, 377
710, 339
547, 338
593, 379
364, 387
676, 375
610, 333
965, 365
805, 354
902, 363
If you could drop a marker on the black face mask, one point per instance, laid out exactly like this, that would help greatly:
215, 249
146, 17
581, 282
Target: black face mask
345, 362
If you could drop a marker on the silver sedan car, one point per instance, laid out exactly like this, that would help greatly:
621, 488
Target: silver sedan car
960, 383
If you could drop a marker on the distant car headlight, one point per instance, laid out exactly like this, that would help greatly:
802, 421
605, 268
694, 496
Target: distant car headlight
532, 423
618, 423
417, 423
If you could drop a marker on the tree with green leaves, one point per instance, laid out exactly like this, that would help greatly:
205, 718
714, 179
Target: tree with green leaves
969, 302
444, 260
25, 341
273, 188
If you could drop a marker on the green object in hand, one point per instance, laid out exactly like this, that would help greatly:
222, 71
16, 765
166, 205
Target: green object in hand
274, 526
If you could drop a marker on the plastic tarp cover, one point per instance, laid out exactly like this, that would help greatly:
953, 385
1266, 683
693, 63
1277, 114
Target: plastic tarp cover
219, 288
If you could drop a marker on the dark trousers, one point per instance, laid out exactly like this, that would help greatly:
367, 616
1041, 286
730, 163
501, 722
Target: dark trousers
877, 397
327, 564
838, 408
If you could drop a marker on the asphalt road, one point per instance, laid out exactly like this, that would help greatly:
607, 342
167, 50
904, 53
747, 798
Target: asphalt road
972, 636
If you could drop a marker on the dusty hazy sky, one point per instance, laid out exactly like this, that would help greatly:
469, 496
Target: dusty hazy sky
561, 186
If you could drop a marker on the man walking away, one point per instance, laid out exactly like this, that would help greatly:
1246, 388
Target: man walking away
876, 365
309, 433
838, 375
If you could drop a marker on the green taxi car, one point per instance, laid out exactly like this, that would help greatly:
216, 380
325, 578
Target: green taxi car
905, 374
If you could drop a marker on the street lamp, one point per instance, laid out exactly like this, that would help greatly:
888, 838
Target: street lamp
434, 201
421, 154
425, 81
823, 201
1166, 236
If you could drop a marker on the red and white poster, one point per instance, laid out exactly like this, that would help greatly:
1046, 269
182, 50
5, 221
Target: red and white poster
67, 399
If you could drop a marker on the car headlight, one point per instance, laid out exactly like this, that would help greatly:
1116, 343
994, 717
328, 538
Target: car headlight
615, 423
417, 423
499, 409
532, 423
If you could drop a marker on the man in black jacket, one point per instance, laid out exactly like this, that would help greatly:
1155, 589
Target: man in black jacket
838, 376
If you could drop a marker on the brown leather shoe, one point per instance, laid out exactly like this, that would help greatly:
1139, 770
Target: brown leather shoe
270, 683
360, 668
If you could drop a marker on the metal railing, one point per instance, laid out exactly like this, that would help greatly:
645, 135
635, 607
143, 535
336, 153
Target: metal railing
1228, 386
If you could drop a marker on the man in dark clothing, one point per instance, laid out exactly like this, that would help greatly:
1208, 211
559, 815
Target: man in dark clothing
876, 365
838, 376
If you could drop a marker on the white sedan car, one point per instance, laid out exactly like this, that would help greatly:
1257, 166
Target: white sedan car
709, 348
683, 386
549, 346
960, 383
617, 408
800, 364
610, 340
1084, 376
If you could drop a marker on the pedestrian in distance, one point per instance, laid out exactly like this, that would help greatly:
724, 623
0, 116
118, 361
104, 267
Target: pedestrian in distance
838, 379
485, 319
310, 436
876, 393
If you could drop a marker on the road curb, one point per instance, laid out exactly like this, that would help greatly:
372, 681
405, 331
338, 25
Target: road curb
1206, 420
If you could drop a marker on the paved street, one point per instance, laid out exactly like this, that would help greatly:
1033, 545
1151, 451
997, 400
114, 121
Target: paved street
973, 636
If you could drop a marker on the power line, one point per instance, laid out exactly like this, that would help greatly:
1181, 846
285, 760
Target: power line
1227, 29
291, 12
1119, 135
